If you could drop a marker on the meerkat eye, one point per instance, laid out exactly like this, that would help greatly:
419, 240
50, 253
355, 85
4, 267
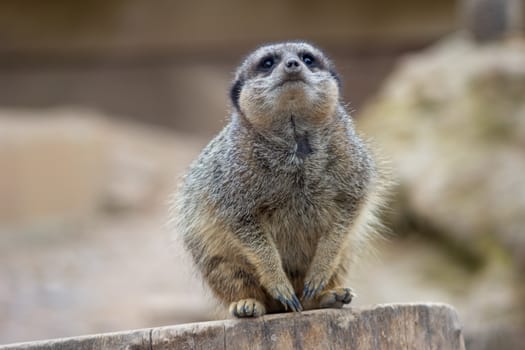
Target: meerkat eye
308, 59
266, 63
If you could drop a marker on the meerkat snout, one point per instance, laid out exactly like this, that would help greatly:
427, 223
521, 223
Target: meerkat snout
292, 66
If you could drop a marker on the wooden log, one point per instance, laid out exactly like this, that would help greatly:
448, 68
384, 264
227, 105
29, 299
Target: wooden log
391, 326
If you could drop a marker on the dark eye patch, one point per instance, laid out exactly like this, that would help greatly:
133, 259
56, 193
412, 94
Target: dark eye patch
310, 60
267, 63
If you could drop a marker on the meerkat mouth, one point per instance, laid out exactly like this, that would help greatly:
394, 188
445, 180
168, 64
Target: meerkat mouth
292, 80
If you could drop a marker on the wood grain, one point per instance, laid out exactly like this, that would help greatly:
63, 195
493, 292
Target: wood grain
391, 326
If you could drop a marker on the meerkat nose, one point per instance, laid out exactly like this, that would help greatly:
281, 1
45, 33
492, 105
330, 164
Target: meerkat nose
292, 66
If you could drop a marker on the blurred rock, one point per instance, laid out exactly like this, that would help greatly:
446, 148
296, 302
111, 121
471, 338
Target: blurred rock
144, 164
452, 120
53, 166
491, 20
87, 251
60, 167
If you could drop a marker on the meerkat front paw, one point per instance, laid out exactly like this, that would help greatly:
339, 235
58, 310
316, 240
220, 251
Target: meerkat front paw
247, 308
312, 287
336, 297
286, 295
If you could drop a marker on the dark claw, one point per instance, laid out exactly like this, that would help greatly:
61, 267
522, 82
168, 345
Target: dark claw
294, 303
297, 303
283, 301
309, 292
291, 305
305, 291
319, 289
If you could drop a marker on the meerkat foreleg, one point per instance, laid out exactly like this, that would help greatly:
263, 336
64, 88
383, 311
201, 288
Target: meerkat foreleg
324, 263
263, 254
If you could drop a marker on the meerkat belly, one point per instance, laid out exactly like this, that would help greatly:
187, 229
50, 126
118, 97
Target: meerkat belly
296, 227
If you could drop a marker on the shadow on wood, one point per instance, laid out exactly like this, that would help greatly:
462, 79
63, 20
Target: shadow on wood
393, 326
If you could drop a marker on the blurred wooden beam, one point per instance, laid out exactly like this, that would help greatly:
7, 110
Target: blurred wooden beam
395, 326
135, 25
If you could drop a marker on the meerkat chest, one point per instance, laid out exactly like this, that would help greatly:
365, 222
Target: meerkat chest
306, 186
302, 201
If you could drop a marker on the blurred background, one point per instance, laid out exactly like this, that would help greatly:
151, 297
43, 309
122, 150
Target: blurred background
103, 105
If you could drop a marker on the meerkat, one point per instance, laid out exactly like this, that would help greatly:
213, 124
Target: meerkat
279, 203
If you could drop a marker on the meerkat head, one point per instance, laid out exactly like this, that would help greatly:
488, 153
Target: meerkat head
285, 80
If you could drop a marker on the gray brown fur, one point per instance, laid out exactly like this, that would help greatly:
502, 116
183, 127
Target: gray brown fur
278, 204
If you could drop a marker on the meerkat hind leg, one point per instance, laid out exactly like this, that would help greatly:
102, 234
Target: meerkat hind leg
234, 282
336, 298
247, 308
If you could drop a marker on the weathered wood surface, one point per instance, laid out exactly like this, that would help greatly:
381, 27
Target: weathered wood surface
393, 326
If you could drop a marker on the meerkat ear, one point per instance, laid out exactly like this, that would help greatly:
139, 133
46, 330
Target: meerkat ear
336, 77
235, 92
